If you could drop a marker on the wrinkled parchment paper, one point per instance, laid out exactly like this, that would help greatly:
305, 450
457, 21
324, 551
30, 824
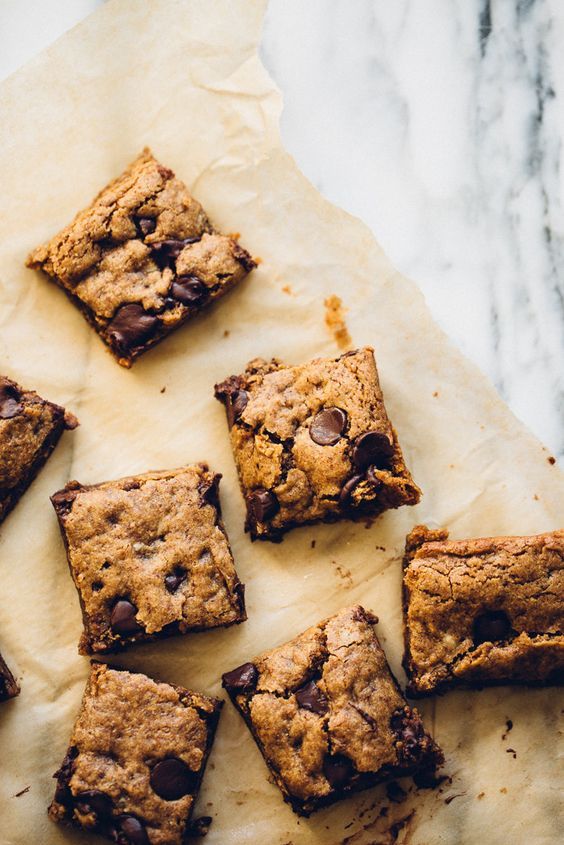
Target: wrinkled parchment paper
184, 78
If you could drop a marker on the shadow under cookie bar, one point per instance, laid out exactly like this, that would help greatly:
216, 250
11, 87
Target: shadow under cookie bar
327, 714
8, 685
30, 428
139, 781
482, 612
142, 259
313, 443
149, 557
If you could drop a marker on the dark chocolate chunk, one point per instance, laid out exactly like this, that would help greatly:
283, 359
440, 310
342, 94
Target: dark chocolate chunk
189, 290
175, 579
242, 679
372, 449
311, 698
244, 258
166, 252
235, 403
145, 225
338, 770
262, 505
130, 831
327, 426
94, 801
131, 326
410, 733
122, 619
172, 778
10, 405
62, 791
491, 626
63, 501
347, 490
209, 491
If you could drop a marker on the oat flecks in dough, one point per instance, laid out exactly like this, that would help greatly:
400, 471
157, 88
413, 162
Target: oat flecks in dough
313, 442
328, 715
136, 758
149, 557
483, 611
144, 244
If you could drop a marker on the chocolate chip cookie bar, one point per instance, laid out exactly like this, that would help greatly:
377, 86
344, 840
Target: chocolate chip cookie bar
483, 611
328, 715
142, 259
136, 759
8, 685
313, 443
149, 557
30, 428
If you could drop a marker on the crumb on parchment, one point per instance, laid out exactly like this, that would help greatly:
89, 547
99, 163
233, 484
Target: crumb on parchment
335, 321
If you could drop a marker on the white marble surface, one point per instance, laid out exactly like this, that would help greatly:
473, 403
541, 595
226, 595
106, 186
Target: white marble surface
440, 123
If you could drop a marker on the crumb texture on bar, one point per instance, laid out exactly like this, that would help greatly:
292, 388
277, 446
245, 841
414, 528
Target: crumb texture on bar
483, 611
328, 715
30, 428
149, 556
142, 258
136, 758
313, 442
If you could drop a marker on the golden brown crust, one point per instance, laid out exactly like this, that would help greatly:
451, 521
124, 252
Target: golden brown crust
278, 450
483, 611
126, 726
157, 542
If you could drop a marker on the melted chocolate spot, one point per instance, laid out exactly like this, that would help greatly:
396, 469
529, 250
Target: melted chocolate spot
166, 252
311, 698
175, 579
235, 403
10, 405
409, 731
130, 327
338, 770
94, 801
62, 792
209, 491
189, 290
242, 679
122, 619
131, 831
328, 426
372, 449
491, 626
262, 505
347, 490
63, 501
171, 779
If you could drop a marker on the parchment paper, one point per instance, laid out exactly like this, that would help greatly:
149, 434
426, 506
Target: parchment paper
184, 78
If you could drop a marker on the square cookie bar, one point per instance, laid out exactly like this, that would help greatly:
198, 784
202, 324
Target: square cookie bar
313, 443
8, 685
30, 428
328, 715
149, 557
483, 611
142, 259
136, 759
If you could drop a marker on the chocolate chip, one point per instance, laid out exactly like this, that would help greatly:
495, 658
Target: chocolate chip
235, 403
347, 490
63, 501
131, 327
175, 579
62, 792
244, 258
338, 770
94, 801
189, 290
122, 619
9, 400
372, 449
166, 252
131, 831
311, 698
262, 505
409, 731
491, 626
145, 225
328, 426
171, 779
209, 491
242, 679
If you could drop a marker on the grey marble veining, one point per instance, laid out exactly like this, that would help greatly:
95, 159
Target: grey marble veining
440, 123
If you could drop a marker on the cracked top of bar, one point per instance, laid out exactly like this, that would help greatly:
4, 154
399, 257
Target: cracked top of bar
149, 557
327, 714
314, 442
142, 258
483, 611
